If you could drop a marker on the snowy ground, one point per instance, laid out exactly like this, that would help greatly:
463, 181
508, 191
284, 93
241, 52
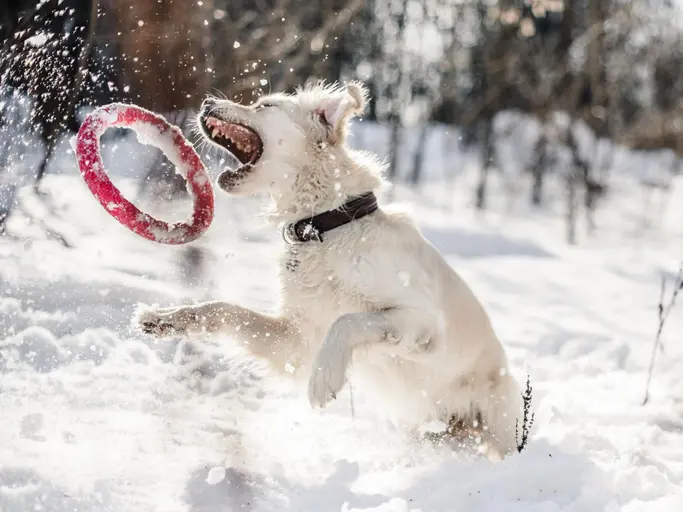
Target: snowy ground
96, 417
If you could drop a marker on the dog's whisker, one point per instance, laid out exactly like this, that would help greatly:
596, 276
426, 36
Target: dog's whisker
219, 94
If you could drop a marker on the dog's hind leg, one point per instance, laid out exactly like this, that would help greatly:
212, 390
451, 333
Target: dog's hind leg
265, 336
502, 409
409, 333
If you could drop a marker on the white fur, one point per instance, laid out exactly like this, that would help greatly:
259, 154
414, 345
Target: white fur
375, 295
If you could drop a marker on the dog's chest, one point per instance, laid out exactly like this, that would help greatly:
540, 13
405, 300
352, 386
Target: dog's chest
318, 285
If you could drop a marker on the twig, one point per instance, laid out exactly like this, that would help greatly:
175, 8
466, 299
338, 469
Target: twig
527, 419
49, 232
660, 311
663, 314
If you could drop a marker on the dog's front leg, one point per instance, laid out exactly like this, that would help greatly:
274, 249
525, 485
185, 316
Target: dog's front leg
263, 335
409, 332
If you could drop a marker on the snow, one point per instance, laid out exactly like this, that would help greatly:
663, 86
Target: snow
404, 278
215, 475
38, 40
152, 136
97, 417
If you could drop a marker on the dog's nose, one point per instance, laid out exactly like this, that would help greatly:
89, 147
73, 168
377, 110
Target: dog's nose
208, 103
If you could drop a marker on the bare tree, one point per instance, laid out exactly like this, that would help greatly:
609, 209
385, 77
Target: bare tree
81, 72
538, 168
274, 43
418, 157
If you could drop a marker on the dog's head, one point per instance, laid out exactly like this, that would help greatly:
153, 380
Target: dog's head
280, 134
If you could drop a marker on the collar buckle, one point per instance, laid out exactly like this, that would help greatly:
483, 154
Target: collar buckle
313, 228
289, 235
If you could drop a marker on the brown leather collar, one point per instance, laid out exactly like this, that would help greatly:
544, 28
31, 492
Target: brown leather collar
313, 228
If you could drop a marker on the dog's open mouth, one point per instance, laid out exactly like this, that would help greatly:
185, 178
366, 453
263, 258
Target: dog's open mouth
241, 141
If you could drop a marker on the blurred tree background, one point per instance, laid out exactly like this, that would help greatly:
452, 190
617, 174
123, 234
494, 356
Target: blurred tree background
579, 78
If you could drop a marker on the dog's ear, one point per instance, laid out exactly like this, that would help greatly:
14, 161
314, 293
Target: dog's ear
336, 110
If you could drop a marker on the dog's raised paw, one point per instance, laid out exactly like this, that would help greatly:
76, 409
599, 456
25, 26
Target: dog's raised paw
156, 323
328, 376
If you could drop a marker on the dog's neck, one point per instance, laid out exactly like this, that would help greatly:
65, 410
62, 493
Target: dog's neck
317, 190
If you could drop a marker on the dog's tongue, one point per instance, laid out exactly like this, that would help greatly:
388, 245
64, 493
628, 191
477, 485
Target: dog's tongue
240, 134
234, 132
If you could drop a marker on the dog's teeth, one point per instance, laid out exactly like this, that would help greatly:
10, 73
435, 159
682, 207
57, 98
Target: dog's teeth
215, 131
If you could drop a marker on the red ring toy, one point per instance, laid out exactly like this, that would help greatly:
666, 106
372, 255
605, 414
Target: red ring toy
153, 130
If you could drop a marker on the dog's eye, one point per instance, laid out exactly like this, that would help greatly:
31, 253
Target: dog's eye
261, 106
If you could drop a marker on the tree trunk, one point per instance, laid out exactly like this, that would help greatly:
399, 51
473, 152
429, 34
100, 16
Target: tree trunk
166, 52
593, 187
537, 188
393, 148
396, 93
418, 158
594, 190
7, 194
578, 174
538, 171
487, 157
572, 204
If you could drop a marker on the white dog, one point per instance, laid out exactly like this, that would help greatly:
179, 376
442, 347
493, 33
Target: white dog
358, 283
